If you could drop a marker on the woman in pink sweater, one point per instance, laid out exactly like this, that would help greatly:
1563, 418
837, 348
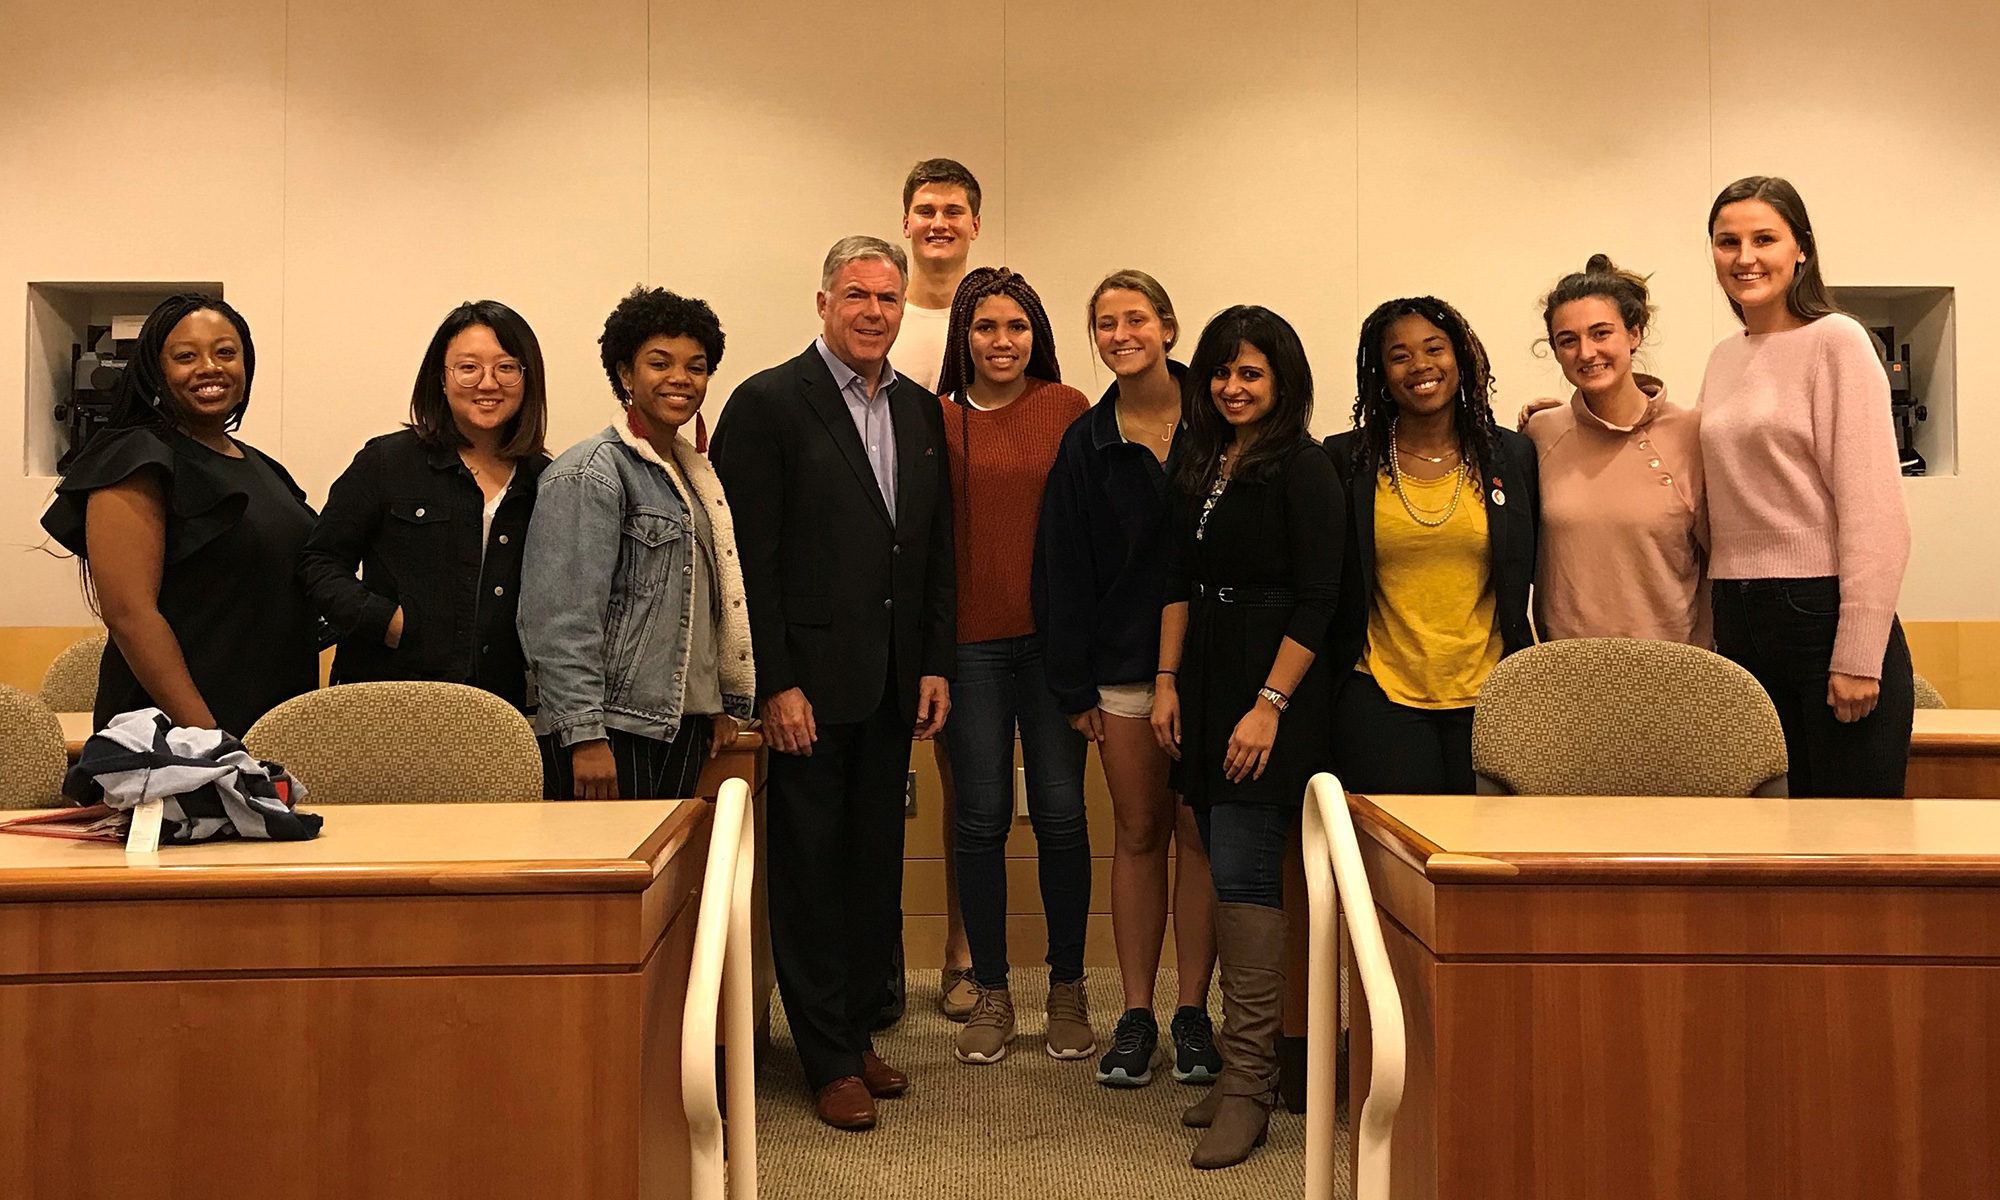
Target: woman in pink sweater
1808, 530
1623, 550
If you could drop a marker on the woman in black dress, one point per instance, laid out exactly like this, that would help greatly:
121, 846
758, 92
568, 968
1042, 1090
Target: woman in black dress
189, 539
435, 516
1242, 702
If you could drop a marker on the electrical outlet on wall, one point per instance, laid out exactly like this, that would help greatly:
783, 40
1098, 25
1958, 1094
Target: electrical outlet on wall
910, 796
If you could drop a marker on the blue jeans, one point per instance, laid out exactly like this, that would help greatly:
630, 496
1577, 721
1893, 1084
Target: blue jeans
1000, 686
1246, 851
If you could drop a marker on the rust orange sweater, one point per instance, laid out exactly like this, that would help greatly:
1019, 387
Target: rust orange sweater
996, 500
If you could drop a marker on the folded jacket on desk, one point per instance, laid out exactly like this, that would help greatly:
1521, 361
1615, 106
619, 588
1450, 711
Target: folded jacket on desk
211, 786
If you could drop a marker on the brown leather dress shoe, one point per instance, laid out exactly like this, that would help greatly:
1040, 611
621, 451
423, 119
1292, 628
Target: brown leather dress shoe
846, 1104
884, 1082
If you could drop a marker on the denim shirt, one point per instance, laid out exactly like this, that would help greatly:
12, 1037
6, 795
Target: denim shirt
606, 581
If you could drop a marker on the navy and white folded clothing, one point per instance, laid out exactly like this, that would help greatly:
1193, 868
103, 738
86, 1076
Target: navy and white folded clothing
212, 787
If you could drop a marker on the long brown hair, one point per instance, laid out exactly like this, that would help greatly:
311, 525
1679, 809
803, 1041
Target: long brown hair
1807, 297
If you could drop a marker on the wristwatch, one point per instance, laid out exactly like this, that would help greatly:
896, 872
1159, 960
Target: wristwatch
1278, 699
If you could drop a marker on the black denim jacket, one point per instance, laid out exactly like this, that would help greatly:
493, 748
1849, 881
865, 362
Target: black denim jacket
409, 516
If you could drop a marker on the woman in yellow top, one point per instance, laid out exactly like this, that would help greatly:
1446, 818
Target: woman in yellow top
1443, 508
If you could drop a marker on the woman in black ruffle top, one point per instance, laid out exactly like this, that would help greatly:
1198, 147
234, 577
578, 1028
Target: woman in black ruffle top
189, 538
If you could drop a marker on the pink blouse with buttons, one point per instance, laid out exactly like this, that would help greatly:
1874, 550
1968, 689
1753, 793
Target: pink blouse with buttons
1623, 547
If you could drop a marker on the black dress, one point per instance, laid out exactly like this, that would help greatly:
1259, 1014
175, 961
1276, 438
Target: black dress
1265, 567
229, 587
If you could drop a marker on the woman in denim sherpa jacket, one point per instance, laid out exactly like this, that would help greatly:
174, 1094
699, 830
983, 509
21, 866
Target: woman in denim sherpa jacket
631, 589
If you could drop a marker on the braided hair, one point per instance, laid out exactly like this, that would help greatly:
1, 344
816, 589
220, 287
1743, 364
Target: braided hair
977, 285
1375, 409
144, 398
958, 373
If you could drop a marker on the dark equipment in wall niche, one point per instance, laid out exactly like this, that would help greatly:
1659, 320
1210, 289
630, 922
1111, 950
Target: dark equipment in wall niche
95, 369
1904, 405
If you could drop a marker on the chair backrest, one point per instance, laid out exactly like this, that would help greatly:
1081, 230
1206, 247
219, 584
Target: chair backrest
402, 743
33, 755
70, 684
1624, 717
1927, 695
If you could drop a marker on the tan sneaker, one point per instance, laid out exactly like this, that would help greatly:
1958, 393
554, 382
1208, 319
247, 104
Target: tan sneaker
990, 1029
1069, 1033
957, 993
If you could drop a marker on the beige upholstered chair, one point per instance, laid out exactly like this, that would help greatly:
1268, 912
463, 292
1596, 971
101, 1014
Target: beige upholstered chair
1621, 717
70, 684
33, 756
1927, 696
402, 743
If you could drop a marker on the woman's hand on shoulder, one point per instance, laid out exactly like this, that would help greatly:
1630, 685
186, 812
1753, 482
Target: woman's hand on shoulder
1528, 411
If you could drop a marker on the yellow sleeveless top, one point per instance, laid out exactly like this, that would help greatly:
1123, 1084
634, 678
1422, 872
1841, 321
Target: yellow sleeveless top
1432, 640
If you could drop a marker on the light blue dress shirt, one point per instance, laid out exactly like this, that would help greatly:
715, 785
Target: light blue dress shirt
871, 419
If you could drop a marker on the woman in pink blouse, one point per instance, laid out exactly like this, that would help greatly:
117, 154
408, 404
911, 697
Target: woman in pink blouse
1805, 500
1624, 535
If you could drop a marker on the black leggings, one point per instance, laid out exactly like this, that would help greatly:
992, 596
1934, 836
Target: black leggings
1390, 748
1782, 631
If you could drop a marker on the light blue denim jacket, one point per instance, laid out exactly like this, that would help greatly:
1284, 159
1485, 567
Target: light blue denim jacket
606, 577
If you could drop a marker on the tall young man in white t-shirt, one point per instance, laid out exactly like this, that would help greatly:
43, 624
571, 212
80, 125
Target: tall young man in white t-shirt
941, 219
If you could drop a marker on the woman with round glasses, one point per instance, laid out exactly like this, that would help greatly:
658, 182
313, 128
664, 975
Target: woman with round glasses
435, 514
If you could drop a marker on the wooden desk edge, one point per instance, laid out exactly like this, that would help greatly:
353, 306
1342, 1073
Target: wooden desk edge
1396, 837
1716, 870
1954, 745
634, 873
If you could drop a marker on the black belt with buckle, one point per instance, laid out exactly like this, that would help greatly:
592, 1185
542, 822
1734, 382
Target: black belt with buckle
1256, 597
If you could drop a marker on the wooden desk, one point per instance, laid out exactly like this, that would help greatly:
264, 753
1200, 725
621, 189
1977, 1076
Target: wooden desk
1955, 752
1722, 999
426, 1001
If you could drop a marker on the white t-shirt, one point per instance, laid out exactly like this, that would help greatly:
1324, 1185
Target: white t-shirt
919, 350
487, 512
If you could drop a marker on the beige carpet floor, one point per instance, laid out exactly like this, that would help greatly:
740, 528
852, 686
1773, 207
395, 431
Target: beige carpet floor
1025, 1128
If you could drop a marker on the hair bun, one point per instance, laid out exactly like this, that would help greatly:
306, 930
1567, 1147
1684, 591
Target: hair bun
1600, 264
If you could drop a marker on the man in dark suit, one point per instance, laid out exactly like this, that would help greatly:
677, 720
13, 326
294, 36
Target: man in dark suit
836, 475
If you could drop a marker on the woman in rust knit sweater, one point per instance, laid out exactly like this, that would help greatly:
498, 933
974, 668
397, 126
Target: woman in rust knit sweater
1005, 414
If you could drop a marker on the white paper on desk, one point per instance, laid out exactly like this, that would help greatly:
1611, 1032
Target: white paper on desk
144, 837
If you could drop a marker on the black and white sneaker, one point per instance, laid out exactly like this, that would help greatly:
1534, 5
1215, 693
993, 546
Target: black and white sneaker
1196, 1059
1129, 1063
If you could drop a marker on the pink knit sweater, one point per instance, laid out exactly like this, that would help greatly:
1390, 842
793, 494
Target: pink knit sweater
1803, 476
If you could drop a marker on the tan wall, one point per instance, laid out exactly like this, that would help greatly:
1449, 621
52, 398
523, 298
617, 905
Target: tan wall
353, 170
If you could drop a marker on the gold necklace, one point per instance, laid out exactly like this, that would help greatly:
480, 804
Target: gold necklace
1396, 482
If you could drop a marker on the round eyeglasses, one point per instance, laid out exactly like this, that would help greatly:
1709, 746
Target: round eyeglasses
468, 374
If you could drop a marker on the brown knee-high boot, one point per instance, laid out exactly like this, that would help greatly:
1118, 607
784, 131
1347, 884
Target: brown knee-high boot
1250, 950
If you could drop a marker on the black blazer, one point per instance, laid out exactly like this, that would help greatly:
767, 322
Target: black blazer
1511, 529
409, 516
836, 592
